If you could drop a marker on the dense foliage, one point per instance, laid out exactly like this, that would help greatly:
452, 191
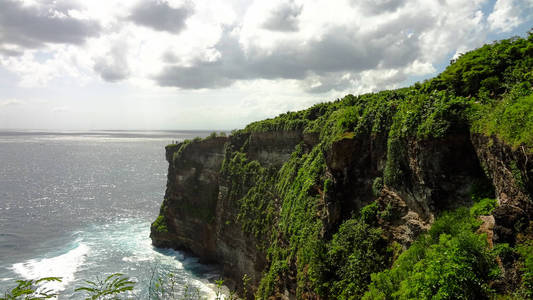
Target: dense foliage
484, 91
450, 262
356, 251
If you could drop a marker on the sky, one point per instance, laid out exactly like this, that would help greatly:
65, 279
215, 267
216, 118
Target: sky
220, 64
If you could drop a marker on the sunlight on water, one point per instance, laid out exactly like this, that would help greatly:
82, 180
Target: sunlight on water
79, 206
122, 246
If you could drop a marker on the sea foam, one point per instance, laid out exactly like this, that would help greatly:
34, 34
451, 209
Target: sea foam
64, 266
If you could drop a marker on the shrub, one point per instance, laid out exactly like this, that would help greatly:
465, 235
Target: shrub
377, 186
369, 213
30, 290
110, 286
526, 254
450, 262
483, 207
160, 224
356, 251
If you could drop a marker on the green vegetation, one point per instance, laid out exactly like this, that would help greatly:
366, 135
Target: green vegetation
160, 224
451, 261
485, 91
116, 286
181, 147
250, 186
510, 119
377, 186
526, 254
483, 207
110, 286
30, 290
355, 252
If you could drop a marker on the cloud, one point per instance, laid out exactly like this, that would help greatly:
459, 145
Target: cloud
283, 17
377, 6
32, 26
321, 45
508, 14
113, 66
159, 15
10, 51
338, 50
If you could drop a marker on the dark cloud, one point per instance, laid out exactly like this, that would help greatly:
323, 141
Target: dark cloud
340, 50
284, 17
113, 67
375, 7
10, 52
31, 26
160, 16
205, 75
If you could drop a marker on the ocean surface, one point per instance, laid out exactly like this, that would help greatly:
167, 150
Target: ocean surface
78, 205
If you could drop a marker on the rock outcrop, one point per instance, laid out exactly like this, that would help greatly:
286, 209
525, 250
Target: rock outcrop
199, 214
438, 174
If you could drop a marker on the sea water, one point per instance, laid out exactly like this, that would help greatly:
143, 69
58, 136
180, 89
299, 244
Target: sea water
78, 205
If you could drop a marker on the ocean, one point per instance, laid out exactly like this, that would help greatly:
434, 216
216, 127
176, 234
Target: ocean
78, 205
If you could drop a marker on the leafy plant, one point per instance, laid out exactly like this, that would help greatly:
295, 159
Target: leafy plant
30, 290
356, 251
108, 287
377, 186
451, 261
483, 207
160, 224
526, 252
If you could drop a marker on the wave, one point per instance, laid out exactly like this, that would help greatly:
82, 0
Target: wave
122, 246
64, 266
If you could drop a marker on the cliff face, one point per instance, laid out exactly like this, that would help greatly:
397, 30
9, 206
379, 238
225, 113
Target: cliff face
437, 176
511, 173
201, 216
191, 197
271, 202
439, 173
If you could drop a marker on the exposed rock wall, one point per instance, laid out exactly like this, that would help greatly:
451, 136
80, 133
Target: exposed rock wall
437, 174
191, 196
199, 214
511, 172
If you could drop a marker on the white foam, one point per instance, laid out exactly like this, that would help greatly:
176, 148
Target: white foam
64, 266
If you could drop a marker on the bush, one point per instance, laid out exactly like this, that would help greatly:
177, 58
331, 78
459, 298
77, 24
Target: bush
483, 207
450, 262
30, 290
510, 119
369, 213
356, 251
377, 186
160, 224
110, 286
526, 254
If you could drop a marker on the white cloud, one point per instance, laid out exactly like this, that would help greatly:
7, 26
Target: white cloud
508, 14
325, 45
300, 51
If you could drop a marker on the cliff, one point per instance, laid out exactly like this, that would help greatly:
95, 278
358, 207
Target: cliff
311, 203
